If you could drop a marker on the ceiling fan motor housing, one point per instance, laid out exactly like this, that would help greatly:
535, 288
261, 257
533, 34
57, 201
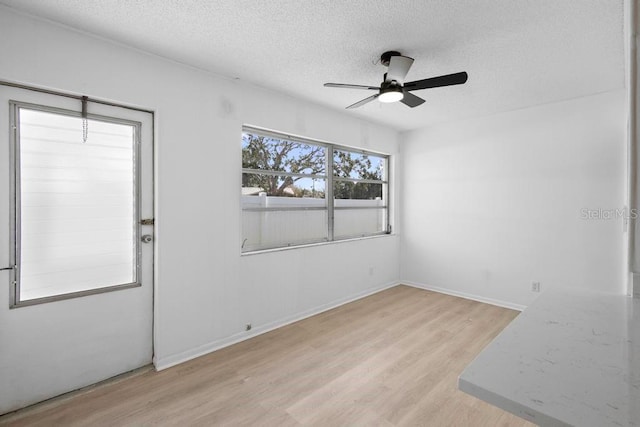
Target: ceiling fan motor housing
390, 86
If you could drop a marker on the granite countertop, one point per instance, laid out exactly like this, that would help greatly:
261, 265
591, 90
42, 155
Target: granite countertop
572, 358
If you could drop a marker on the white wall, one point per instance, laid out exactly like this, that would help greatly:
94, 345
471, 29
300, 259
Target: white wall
491, 204
205, 291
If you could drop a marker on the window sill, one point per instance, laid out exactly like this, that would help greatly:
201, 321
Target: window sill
311, 245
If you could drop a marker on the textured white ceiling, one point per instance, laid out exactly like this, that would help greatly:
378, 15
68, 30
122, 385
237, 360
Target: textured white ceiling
518, 53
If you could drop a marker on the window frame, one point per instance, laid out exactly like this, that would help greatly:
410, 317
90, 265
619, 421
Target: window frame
330, 179
15, 203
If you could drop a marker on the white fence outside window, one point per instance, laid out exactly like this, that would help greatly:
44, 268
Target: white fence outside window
282, 228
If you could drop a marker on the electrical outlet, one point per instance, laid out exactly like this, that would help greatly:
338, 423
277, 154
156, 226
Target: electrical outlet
247, 327
535, 286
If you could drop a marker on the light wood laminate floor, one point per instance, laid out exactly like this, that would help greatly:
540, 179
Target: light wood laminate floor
391, 359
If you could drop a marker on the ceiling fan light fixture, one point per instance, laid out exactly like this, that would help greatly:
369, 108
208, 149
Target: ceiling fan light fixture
391, 95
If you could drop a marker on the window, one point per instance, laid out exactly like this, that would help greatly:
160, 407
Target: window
75, 203
297, 191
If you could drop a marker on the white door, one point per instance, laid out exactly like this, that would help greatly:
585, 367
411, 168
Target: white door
76, 205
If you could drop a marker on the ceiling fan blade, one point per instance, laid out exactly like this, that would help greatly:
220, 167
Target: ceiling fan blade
345, 86
411, 100
364, 101
446, 80
398, 68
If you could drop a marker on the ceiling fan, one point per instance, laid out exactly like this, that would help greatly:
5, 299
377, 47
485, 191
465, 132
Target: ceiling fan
394, 89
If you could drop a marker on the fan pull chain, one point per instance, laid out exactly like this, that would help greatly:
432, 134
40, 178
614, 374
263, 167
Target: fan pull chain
85, 122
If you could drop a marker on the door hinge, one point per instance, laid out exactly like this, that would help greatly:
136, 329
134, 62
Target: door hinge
148, 221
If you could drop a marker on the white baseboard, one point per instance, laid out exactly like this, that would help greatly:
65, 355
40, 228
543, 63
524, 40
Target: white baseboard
169, 361
499, 303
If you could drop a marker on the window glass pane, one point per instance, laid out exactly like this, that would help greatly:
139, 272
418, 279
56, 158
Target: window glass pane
276, 207
282, 186
348, 190
77, 215
348, 164
359, 222
266, 153
274, 229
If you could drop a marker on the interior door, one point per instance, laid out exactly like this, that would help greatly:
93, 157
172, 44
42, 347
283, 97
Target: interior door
77, 204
